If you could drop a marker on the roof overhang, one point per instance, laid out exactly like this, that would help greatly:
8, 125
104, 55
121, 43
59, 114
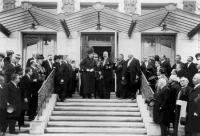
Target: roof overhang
176, 19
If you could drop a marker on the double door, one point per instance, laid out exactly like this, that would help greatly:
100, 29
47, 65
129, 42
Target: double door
43, 44
159, 45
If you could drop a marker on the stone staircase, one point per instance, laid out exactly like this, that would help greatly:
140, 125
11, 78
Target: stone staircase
96, 117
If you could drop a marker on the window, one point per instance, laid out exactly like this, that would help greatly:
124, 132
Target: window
99, 38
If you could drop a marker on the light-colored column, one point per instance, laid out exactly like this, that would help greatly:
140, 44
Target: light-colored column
59, 6
77, 5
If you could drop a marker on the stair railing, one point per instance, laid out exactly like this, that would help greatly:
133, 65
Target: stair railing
45, 93
147, 93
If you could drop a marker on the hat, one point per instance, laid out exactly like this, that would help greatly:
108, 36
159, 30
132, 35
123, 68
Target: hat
9, 52
89, 50
10, 109
2, 55
56, 57
124, 82
17, 56
174, 78
39, 56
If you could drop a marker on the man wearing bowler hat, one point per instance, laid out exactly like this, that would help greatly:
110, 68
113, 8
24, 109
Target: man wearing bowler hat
13, 97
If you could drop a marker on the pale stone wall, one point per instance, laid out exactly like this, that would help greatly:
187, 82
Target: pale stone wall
131, 45
69, 46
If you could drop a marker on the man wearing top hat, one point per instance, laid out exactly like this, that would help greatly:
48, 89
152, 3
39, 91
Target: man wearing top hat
13, 97
7, 59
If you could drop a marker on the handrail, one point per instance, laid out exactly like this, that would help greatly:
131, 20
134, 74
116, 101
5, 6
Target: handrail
147, 92
45, 93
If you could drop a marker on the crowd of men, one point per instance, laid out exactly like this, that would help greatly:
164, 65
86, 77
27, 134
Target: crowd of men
175, 87
19, 88
180, 82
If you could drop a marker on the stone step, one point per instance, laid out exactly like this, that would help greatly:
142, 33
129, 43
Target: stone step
94, 113
96, 130
97, 104
79, 134
125, 109
102, 100
95, 124
22, 130
95, 118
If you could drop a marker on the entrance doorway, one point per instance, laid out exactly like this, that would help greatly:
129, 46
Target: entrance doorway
99, 50
44, 44
159, 45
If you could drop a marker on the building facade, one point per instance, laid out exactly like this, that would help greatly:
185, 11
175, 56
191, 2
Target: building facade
118, 26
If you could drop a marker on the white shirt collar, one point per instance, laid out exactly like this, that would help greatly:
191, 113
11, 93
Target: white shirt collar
106, 58
28, 75
33, 67
162, 61
14, 83
13, 64
1, 86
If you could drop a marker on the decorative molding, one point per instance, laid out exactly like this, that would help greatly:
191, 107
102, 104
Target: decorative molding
130, 6
8, 4
171, 7
26, 5
68, 6
98, 6
189, 5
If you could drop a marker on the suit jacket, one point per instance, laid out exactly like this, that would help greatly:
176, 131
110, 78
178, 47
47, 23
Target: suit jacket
191, 71
65, 72
193, 106
57, 73
28, 64
166, 65
133, 68
181, 73
3, 98
47, 67
107, 72
184, 93
161, 110
120, 69
9, 70
14, 98
34, 84
26, 88
148, 70
174, 90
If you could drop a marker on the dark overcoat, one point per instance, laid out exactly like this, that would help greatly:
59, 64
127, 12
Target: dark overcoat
88, 78
191, 71
174, 89
14, 98
26, 88
134, 68
167, 66
57, 73
161, 112
193, 106
65, 73
107, 72
9, 70
47, 67
3, 98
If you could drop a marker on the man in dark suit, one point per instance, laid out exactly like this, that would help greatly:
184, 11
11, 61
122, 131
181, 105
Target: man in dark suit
14, 98
28, 64
120, 70
57, 78
9, 70
165, 64
147, 68
34, 94
26, 91
191, 70
193, 109
174, 89
180, 71
7, 60
177, 60
65, 76
48, 65
3, 107
107, 73
161, 109
132, 75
